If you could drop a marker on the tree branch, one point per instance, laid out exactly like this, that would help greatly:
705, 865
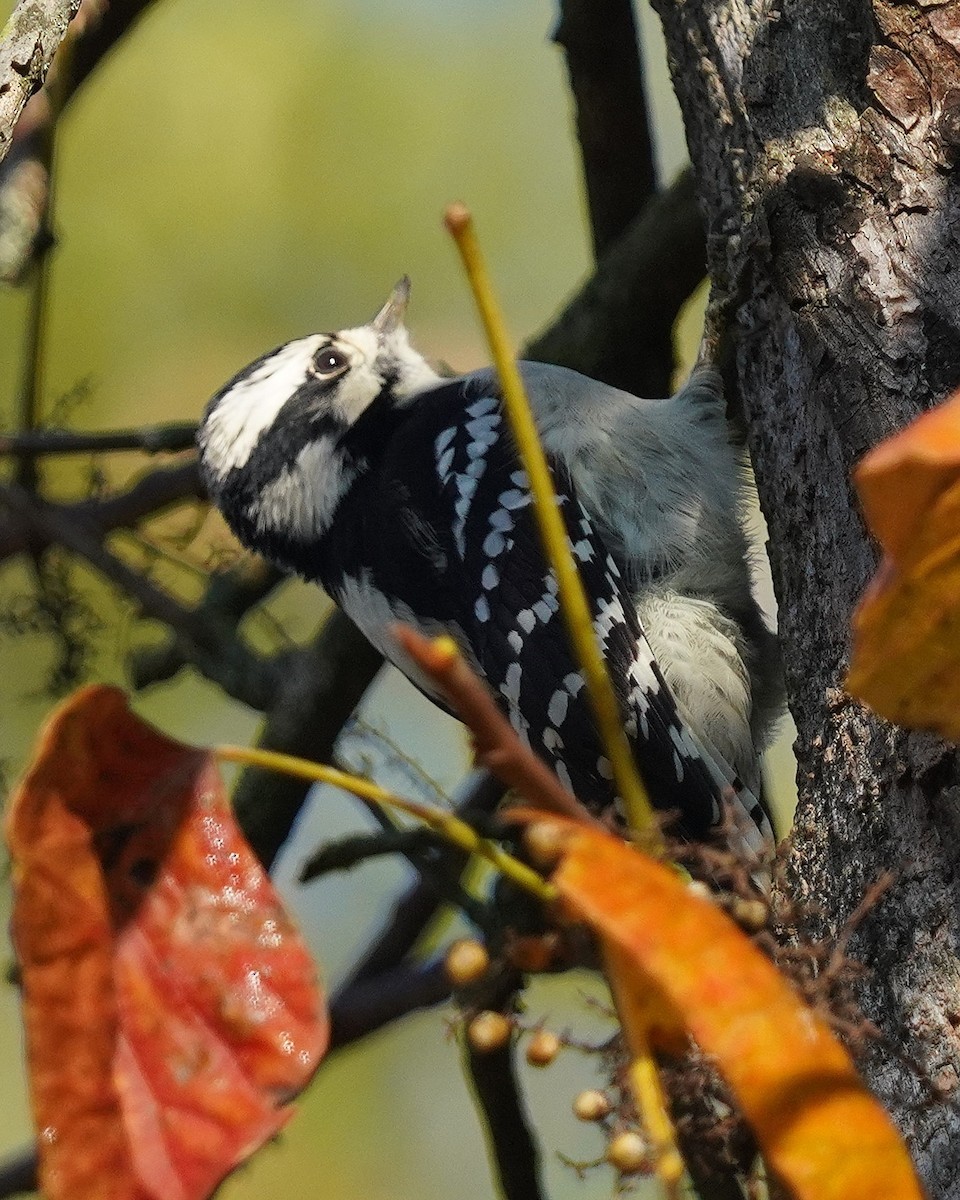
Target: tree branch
363, 1007
229, 596
221, 656
29, 41
509, 1137
151, 494
317, 693
151, 439
599, 38
18, 1172
25, 175
823, 146
619, 328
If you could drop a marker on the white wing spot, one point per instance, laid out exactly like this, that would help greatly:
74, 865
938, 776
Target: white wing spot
444, 463
482, 406
557, 708
444, 440
552, 741
510, 688
513, 499
573, 682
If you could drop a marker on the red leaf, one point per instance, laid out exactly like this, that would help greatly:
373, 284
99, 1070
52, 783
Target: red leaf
171, 1007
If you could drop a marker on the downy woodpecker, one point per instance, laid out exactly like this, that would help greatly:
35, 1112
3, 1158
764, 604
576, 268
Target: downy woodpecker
346, 458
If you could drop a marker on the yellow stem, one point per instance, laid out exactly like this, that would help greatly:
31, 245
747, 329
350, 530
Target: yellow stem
651, 1105
573, 599
446, 824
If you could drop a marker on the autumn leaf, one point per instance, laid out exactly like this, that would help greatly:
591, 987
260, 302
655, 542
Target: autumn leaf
171, 1008
906, 651
679, 963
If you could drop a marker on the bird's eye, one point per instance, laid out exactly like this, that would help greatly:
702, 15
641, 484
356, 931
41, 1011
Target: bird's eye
330, 362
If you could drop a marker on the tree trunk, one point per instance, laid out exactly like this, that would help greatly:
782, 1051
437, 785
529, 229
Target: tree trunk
824, 137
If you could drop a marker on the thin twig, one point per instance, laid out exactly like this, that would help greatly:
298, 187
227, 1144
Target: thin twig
313, 699
31, 382
599, 38
151, 439
495, 741
151, 494
240, 671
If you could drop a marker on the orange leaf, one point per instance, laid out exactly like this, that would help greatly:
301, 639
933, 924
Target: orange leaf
819, 1129
171, 1008
906, 654
901, 477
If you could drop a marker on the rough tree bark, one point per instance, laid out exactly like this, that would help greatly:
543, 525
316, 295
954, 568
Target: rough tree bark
825, 139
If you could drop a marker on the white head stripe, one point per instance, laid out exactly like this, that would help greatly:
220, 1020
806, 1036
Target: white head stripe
250, 407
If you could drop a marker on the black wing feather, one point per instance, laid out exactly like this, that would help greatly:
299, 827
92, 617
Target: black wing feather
475, 564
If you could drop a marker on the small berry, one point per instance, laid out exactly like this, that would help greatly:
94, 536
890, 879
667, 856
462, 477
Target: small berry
488, 1031
542, 1048
591, 1105
628, 1153
466, 962
750, 914
545, 841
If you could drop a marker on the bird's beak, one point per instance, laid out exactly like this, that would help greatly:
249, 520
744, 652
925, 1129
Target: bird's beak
390, 317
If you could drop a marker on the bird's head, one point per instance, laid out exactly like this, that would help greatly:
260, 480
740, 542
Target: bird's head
274, 442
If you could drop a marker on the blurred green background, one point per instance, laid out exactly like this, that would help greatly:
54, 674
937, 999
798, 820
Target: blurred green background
233, 176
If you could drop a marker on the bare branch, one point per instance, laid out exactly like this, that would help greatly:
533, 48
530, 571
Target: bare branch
18, 1172
25, 175
599, 38
29, 41
495, 742
480, 792
317, 692
222, 657
619, 327
151, 439
361, 1008
230, 595
509, 1138
151, 494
